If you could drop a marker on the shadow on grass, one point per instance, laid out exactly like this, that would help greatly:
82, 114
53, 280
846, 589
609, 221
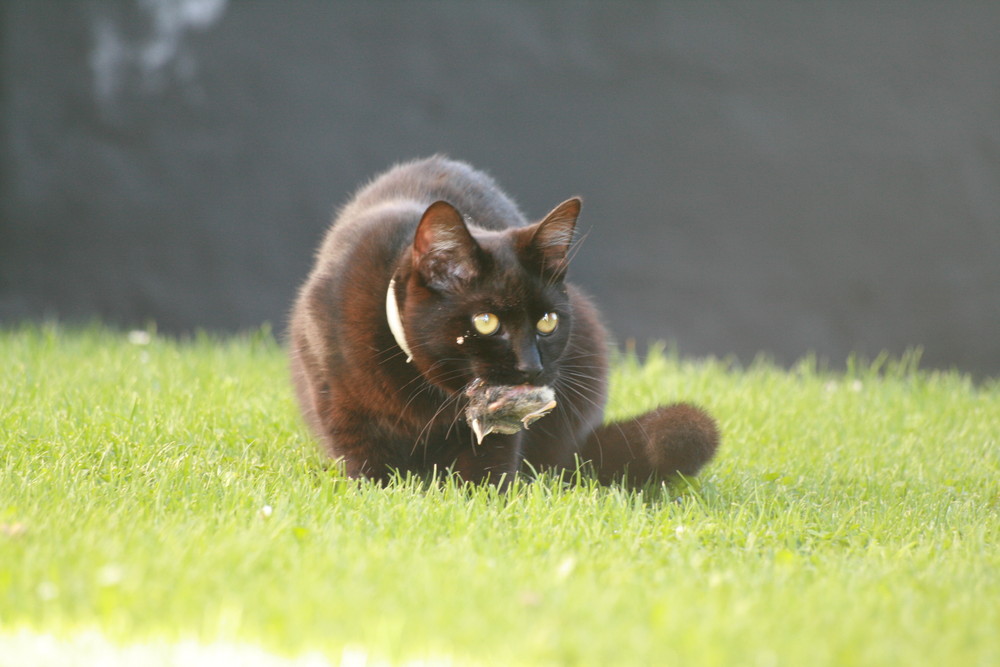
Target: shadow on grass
653, 494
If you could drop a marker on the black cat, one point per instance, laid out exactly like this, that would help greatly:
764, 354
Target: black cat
431, 281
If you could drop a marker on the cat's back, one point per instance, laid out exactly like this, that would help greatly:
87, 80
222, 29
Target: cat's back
420, 183
386, 210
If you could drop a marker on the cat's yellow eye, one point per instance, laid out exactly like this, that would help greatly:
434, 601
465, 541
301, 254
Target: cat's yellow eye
486, 323
547, 324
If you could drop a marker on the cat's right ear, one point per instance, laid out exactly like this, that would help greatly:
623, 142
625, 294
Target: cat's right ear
444, 252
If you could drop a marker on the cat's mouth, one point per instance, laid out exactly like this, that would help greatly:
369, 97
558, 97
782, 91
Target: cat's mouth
505, 408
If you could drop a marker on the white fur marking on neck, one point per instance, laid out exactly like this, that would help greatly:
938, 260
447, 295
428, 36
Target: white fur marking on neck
395, 322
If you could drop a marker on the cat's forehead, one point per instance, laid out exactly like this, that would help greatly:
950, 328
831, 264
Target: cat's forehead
500, 246
508, 288
505, 281
490, 239
512, 289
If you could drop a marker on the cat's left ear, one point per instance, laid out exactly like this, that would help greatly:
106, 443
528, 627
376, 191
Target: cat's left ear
444, 251
552, 237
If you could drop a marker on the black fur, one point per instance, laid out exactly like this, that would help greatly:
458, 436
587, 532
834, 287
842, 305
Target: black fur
457, 246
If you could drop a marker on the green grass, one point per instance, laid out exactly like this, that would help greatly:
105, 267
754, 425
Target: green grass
850, 518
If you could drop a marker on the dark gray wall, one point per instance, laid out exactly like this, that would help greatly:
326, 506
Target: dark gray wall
779, 177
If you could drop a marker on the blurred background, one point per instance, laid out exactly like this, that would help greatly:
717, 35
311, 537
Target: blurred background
768, 177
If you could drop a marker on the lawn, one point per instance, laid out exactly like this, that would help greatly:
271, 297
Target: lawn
159, 498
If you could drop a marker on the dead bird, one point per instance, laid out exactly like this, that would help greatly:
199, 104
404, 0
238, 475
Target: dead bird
506, 408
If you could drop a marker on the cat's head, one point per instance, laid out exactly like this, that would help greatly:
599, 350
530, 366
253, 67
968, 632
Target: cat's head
489, 304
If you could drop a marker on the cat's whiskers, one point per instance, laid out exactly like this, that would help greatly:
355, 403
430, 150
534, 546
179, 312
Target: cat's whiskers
458, 414
564, 362
570, 382
425, 387
425, 432
572, 369
572, 385
393, 352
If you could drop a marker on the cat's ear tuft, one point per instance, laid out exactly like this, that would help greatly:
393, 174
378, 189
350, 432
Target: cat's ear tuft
444, 252
553, 237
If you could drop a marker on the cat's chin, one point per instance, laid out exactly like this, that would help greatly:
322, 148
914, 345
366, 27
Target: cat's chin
506, 408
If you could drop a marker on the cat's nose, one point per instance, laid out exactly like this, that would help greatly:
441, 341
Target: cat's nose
529, 364
529, 361
531, 374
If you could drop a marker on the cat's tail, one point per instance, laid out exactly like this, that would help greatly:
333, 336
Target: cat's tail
679, 438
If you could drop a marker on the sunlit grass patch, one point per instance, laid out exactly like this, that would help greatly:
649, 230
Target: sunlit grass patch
160, 492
